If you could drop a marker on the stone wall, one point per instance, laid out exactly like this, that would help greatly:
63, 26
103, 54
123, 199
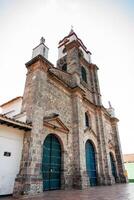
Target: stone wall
46, 94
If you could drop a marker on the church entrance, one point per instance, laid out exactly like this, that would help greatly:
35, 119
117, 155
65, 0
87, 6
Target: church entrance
113, 167
91, 163
51, 163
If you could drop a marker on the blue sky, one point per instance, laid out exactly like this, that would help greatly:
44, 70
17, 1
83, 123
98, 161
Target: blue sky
105, 26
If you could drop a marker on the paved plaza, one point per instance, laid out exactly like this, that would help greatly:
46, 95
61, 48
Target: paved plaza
115, 192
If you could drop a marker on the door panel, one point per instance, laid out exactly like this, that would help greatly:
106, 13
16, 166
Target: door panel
91, 163
113, 168
51, 163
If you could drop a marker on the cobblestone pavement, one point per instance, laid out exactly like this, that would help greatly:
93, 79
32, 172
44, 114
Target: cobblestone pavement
115, 192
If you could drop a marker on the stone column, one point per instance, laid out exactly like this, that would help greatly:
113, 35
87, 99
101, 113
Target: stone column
101, 170
95, 85
105, 176
118, 152
80, 178
29, 179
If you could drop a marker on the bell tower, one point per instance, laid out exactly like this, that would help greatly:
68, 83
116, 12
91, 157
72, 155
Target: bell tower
33, 105
41, 49
70, 50
75, 59
35, 84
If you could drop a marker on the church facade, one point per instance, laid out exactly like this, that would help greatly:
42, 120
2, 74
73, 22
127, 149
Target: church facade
72, 140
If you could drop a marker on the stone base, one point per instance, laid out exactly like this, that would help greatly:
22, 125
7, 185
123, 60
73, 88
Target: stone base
106, 180
123, 178
101, 180
27, 186
81, 181
66, 182
117, 179
85, 180
110, 180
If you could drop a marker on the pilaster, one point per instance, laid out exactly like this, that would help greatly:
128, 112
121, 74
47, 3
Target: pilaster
29, 179
80, 178
95, 85
105, 176
118, 153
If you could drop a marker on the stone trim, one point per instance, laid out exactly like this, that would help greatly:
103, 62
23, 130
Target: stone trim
62, 128
35, 59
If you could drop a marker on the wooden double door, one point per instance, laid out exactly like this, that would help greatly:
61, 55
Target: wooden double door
51, 163
91, 163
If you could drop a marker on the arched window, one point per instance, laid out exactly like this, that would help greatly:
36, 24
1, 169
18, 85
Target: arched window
64, 67
84, 74
87, 119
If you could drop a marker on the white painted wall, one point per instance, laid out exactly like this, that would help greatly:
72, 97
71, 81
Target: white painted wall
41, 49
12, 108
21, 117
60, 52
11, 140
86, 55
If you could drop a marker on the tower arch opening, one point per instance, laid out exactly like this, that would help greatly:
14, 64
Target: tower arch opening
84, 74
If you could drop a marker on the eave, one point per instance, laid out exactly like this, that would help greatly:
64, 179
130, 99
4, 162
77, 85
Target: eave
14, 123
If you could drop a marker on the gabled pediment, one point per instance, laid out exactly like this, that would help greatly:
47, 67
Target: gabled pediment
55, 123
90, 130
110, 144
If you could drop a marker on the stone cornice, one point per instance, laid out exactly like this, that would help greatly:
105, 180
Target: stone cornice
93, 66
39, 58
72, 44
107, 115
114, 120
78, 40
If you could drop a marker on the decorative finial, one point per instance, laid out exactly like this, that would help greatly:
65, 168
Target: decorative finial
42, 40
109, 104
72, 27
71, 31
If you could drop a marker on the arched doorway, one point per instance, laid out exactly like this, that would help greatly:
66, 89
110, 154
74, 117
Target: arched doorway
91, 163
51, 163
113, 167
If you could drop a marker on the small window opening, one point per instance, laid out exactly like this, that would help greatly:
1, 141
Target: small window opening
86, 120
84, 74
64, 67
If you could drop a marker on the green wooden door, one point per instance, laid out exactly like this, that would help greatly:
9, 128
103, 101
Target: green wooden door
51, 163
113, 167
91, 163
